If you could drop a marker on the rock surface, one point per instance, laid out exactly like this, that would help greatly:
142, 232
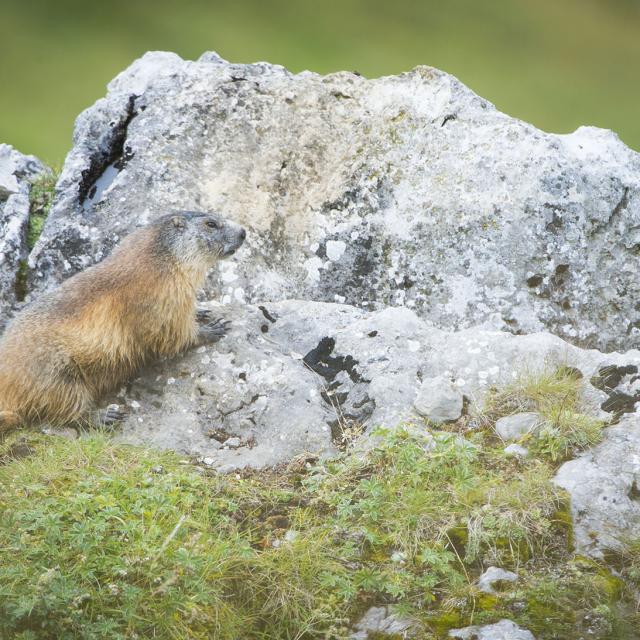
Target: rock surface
439, 400
604, 485
380, 621
298, 377
518, 425
16, 173
407, 190
503, 630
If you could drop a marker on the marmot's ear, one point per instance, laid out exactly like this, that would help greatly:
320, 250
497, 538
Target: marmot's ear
178, 222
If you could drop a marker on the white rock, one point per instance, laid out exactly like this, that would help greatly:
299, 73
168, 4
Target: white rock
503, 630
17, 171
518, 425
515, 449
381, 621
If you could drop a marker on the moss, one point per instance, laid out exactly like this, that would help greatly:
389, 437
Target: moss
564, 522
443, 621
41, 198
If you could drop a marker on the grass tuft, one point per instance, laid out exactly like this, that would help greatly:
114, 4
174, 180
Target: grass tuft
556, 395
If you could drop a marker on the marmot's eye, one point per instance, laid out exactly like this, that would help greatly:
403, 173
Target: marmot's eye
212, 223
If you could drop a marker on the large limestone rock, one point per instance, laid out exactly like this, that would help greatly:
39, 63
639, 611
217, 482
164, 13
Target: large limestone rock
407, 190
17, 171
297, 377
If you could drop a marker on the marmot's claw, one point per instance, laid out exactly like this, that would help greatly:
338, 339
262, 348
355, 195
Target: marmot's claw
215, 329
114, 414
203, 315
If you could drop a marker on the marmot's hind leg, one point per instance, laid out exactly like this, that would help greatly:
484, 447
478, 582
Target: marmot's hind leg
9, 420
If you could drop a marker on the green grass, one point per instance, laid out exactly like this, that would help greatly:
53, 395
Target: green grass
556, 64
104, 541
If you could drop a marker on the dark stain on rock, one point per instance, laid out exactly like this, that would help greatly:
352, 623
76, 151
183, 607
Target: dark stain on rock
607, 380
266, 314
609, 377
320, 361
535, 280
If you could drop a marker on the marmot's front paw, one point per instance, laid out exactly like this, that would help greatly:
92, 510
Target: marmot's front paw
113, 414
214, 330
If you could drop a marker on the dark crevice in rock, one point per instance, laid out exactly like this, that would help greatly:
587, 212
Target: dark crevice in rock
617, 210
116, 153
622, 204
20, 287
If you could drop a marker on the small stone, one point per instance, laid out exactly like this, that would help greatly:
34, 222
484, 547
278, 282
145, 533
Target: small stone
208, 461
492, 576
520, 424
516, 450
399, 557
439, 400
63, 432
227, 468
232, 443
381, 621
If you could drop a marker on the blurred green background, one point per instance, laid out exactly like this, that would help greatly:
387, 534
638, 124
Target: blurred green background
555, 63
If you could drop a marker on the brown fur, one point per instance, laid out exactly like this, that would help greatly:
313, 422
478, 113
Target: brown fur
61, 354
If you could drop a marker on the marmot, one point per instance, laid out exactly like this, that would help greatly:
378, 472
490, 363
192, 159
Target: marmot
65, 350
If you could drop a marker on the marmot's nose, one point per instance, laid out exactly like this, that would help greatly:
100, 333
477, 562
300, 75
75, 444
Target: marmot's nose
243, 234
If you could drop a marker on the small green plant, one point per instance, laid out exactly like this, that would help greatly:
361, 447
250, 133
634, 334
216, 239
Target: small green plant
41, 197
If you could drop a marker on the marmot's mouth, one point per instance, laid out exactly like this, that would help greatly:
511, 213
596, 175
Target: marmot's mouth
229, 252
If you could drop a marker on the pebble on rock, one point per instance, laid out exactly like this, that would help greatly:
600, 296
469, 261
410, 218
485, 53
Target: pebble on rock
439, 400
518, 425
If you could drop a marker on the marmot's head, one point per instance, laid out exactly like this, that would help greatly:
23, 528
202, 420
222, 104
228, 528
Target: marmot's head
197, 238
